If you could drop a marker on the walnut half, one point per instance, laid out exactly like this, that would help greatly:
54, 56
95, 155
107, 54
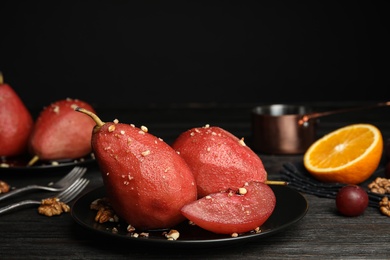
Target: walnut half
105, 213
52, 206
384, 206
4, 187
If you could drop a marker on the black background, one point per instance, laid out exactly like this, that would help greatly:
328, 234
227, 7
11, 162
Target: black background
124, 53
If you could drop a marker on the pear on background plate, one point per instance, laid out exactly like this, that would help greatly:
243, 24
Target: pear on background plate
61, 133
218, 159
16, 122
146, 181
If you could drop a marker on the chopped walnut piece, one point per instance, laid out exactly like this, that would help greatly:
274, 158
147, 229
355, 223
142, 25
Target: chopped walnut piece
384, 206
242, 191
130, 228
257, 230
105, 213
144, 128
144, 234
111, 128
380, 185
52, 206
234, 234
173, 234
4, 187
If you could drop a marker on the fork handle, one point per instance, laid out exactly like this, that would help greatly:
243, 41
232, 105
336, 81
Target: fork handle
19, 204
17, 191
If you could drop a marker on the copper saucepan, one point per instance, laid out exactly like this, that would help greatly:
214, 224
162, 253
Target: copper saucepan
289, 129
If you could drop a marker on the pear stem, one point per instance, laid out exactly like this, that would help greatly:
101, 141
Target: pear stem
97, 120
1, 78
283, 183
33, 160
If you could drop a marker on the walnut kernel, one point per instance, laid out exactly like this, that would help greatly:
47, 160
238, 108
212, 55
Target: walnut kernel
52, 206
173, 234
4, 187
384, 206
105, 213
380, 185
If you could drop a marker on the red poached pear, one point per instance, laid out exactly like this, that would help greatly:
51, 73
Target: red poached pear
233, 211
146, 181
16, 122
218, 159
61, 133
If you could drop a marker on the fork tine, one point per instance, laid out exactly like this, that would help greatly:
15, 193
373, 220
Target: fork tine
76, 191
72, 191
69, 189
76, 172
66, 177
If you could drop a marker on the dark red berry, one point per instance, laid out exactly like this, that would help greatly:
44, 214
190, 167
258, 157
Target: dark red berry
351, 200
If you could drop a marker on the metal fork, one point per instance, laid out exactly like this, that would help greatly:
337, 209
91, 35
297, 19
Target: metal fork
65, 196
60, 185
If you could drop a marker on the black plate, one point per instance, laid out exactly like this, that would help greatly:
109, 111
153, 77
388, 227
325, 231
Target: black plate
290, 207
18, 164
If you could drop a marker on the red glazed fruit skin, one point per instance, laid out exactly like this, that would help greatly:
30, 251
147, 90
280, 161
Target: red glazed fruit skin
351, 200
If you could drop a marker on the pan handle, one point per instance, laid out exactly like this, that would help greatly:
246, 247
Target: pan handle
305, 119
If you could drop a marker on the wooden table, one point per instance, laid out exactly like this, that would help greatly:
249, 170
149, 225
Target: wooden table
321, 234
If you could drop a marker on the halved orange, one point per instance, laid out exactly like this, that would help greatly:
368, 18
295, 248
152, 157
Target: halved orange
349, 155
